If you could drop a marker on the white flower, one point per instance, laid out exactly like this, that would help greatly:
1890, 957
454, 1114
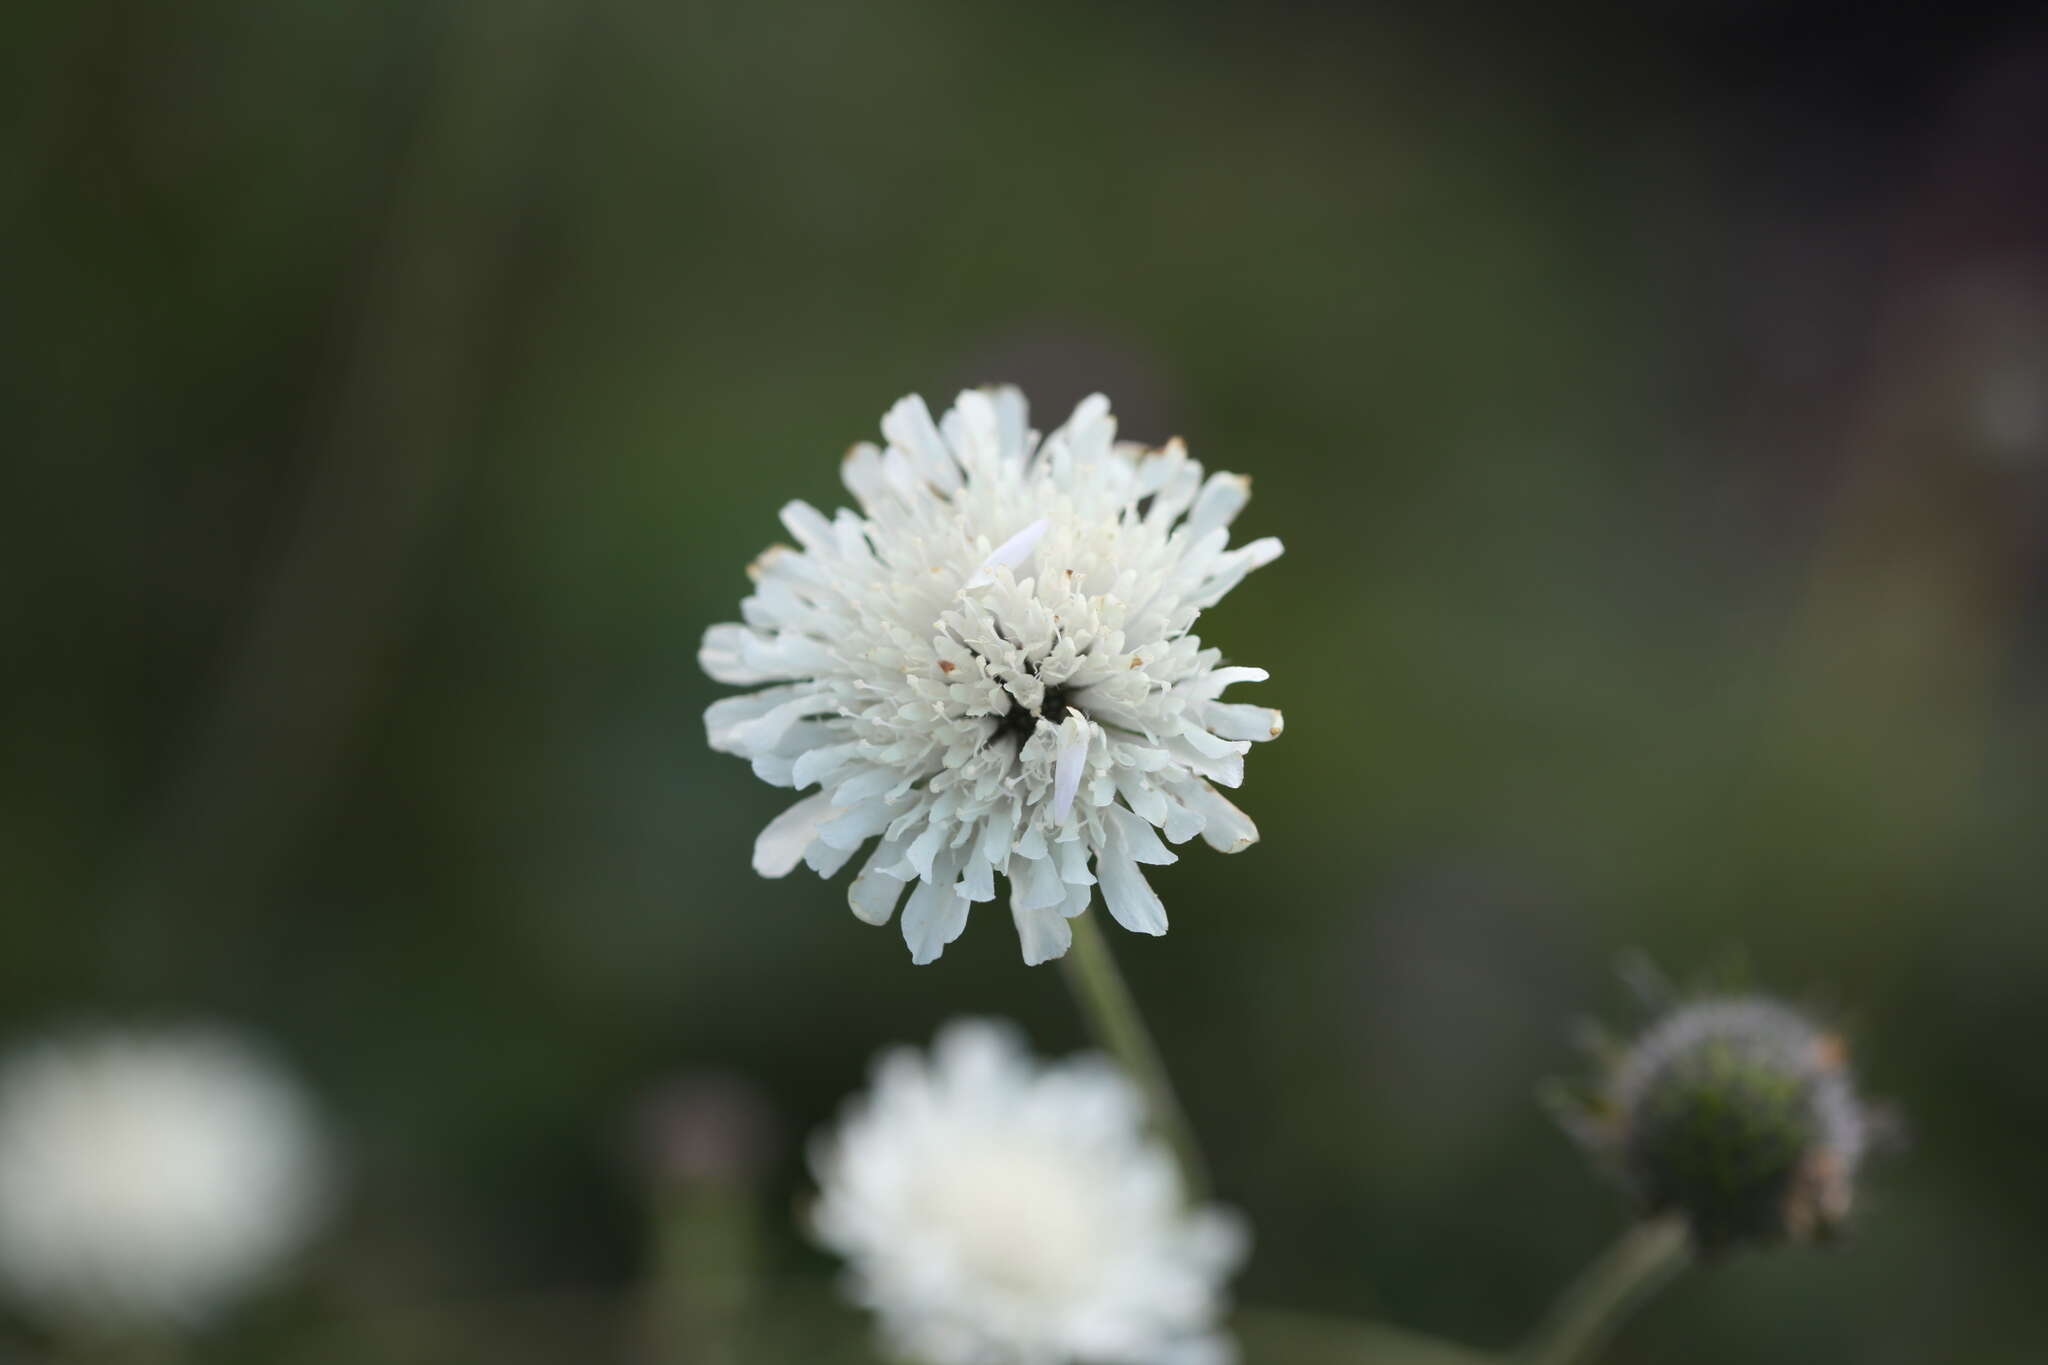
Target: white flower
998, 1212
145, 1179
990, 667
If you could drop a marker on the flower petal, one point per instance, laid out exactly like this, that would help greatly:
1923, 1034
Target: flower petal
1128, 895
1043, 933
932, 917
1011, 552
781, 845
1068, 766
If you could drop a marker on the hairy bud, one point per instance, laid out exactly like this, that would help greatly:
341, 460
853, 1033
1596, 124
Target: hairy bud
1739, 1114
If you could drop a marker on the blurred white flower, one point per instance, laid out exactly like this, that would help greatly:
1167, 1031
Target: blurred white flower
147, 1178
990, 667
994, 1211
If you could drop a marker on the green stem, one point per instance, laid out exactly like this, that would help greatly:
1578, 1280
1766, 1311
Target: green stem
1587, 1315
703, 1284
1118, 1027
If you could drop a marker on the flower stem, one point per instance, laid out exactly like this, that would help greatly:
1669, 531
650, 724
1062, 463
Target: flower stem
702, 1288
1113, 1018
1588, 1313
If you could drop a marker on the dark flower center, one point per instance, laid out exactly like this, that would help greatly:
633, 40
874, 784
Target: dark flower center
1017, 723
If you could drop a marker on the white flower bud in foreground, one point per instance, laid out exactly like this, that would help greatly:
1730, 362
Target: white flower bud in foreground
996, 1211
146, 1179
990, 669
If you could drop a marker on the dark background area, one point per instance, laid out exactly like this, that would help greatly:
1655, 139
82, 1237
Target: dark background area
1653, 400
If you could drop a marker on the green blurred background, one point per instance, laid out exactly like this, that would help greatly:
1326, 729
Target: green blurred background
1653, 400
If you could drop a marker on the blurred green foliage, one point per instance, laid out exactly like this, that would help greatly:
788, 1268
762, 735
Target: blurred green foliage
395, 392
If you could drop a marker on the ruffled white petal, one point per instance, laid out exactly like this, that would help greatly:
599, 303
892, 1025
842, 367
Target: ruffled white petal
1067, 769
933, 917
1011, 552
781, 846
1042, 931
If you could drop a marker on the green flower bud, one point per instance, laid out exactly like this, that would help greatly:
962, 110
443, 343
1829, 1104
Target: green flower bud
1737, 1113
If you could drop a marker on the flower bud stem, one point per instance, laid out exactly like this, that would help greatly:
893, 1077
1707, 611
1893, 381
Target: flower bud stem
1113, 1018
1588, 1313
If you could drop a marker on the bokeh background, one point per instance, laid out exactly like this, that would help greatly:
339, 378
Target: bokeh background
1653, 400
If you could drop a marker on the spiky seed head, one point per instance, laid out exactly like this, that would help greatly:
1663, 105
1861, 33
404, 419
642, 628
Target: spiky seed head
1739, 1114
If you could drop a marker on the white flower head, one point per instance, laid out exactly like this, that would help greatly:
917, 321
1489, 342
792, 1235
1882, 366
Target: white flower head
991, 668
147, 1178
995, 1211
